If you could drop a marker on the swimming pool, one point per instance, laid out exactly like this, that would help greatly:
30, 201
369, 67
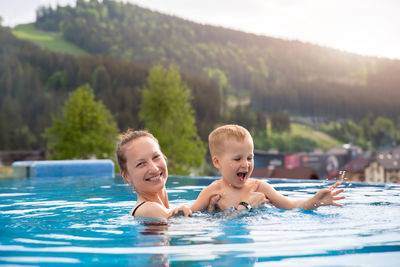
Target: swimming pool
84, 220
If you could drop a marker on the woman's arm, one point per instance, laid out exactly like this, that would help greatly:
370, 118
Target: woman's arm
183, 209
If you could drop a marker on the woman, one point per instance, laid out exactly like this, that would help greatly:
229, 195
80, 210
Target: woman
144, 167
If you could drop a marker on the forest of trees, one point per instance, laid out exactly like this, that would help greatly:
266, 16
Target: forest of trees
275, 74
36, 83
233, 76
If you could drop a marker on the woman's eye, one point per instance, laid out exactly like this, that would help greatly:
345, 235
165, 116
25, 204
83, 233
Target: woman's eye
236, 159
139, 164
156, 156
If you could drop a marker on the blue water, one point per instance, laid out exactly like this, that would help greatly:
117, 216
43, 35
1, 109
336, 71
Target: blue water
84, 220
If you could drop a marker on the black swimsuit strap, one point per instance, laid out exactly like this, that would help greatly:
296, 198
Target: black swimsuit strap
138, 206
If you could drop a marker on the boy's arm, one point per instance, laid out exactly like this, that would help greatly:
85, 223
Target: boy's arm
275, 198
203, 200
322, 197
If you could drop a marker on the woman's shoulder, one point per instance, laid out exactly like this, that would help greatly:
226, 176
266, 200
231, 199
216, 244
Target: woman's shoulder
136, 207
149, 209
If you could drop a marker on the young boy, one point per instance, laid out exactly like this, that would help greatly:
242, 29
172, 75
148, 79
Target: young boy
231, 149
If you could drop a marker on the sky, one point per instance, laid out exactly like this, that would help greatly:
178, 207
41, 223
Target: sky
366, 27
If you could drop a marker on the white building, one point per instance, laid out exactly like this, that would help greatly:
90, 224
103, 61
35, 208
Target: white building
385, 168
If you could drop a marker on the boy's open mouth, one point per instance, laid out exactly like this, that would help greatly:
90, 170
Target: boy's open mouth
241, 175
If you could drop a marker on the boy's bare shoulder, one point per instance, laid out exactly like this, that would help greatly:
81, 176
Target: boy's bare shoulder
215, 185
212, 188
251, 181
260, 183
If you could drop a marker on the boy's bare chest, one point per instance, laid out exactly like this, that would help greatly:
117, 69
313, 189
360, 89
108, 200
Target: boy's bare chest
232, 197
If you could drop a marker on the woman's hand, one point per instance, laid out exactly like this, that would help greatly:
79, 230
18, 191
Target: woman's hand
254, 199
213, 204
178, 211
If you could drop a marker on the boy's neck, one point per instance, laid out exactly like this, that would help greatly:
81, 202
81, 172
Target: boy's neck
227, 184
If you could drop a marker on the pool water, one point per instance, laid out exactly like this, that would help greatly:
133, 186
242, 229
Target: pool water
84, 220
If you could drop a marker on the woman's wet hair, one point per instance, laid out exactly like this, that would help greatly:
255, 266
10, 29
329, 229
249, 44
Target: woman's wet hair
124, 139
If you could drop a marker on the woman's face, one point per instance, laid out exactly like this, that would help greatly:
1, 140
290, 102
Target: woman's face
146, 166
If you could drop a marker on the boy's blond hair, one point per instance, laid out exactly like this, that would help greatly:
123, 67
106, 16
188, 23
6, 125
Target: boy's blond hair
221, 134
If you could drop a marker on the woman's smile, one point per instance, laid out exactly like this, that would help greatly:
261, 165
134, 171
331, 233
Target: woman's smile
154, 178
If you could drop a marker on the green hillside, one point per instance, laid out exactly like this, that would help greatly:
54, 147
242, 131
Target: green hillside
323, 140
274, 74
52, 41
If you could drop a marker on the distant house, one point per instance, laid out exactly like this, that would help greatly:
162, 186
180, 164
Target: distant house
384, 168
303, 173
355, 169
265, 159
262, 172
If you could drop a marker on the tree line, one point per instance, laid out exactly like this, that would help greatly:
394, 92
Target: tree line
35, 83
274, 74
369, 133
87, 129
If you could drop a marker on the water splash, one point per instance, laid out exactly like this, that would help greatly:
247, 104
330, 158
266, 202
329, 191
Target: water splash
342, 176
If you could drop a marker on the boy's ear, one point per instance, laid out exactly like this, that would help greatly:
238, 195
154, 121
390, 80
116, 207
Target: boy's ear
216, 162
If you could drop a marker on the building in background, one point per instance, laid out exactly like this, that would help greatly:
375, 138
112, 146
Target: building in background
316, 165
267, 159
303, 173
355, 169
384, 168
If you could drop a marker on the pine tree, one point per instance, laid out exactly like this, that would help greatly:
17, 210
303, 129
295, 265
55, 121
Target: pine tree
167, 113
86, 129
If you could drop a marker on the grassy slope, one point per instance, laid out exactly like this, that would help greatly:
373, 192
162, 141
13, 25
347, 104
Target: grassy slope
52, 41
323, 140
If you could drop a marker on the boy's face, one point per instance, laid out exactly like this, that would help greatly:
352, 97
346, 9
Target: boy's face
235, 161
